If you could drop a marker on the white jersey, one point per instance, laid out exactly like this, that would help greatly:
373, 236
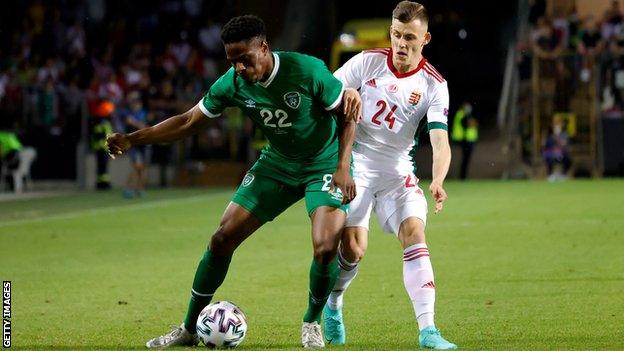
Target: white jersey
394, 104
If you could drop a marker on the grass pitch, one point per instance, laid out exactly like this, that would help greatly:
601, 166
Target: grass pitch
519, 266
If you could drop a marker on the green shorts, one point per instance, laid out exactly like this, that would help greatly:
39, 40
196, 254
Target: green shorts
274, 184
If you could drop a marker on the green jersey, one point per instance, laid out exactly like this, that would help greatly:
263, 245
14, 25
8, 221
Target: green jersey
291, 107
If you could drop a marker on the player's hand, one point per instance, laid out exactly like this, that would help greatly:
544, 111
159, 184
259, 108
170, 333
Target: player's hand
342, 180
117, 144
352, 105
439, 195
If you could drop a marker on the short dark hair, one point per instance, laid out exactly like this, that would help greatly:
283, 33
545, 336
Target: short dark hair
407, 11
243, 28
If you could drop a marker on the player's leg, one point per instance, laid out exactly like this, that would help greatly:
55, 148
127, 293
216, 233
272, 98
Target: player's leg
352, 248
259, 199
328, 217
419, 281
353, 244
236, 225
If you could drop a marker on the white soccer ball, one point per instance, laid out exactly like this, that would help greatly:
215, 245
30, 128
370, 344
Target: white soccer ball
221, 324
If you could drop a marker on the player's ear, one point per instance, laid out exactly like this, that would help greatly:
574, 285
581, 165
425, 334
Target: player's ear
264, 46
427, 39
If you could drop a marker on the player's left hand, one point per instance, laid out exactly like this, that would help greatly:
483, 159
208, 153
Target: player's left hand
343, 181
352, 105
439, 195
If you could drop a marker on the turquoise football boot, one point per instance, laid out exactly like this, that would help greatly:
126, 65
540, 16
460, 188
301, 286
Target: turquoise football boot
430, 338
334, 327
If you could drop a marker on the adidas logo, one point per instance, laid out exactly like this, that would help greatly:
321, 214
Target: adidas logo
250, 103
371, 83
429, 285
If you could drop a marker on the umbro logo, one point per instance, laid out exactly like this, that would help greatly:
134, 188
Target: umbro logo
371, 83
250, 103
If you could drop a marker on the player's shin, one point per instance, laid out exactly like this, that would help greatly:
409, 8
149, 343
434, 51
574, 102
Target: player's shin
419, 283
322, 280
348, 271
210, 274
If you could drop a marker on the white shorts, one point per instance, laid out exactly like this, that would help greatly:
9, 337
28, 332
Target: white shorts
393, 197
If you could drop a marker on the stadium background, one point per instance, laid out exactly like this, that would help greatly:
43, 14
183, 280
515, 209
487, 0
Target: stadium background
59, 58
521, 264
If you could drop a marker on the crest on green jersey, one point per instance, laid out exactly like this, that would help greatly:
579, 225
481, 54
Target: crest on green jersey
292, 99
248, 179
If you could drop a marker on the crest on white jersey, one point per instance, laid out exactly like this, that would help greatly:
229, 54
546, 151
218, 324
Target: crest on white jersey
292, 99
415, 97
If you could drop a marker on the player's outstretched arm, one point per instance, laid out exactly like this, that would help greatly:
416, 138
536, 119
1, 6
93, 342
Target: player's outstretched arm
441, 163
346, 129
172, 129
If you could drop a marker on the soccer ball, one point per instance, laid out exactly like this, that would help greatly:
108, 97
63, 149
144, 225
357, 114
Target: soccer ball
221, 324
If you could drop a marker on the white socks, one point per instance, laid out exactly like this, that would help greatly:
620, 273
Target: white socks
348, 271
419, 283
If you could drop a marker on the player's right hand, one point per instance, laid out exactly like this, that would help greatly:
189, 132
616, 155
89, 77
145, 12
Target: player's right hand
342, 180
117, 144
439, 195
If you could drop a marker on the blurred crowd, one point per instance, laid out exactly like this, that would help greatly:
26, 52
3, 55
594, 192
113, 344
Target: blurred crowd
572, 48
62, 61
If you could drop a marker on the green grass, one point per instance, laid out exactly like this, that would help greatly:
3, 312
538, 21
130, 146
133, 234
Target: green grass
519, 266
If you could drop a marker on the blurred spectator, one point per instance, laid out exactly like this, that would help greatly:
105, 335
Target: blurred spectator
556, 151
465, 133
48, 105
590, 45
101, 127
612, 21
136, 118
547, 44
163, 105
615, 69
10, 147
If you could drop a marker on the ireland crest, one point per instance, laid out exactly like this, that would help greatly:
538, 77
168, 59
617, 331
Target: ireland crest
248, 179
292, 99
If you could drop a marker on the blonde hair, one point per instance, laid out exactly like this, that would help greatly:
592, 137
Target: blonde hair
407, 11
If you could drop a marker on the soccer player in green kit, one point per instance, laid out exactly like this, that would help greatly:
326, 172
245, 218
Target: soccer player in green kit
293, 98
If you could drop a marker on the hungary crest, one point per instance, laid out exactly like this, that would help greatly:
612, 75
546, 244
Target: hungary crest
292, 99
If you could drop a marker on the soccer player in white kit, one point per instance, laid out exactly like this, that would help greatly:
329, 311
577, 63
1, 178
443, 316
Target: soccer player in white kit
398, 88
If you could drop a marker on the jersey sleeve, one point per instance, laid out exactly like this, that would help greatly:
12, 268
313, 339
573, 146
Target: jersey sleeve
351, 73
215, 100
325, 87
437, 114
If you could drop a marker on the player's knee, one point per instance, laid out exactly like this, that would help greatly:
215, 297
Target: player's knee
352, 251
324, 253
412, 237
220, 243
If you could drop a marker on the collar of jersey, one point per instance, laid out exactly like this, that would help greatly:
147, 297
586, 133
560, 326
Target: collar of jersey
276, 65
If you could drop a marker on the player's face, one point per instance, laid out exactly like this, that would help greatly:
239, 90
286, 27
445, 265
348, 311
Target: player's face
408, 40
248, 58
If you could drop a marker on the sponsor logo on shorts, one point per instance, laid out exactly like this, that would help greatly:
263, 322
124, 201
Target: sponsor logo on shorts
292, 99
336, 194
248, 179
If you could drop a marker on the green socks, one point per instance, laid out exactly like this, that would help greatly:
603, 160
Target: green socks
210, 274
322, 280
